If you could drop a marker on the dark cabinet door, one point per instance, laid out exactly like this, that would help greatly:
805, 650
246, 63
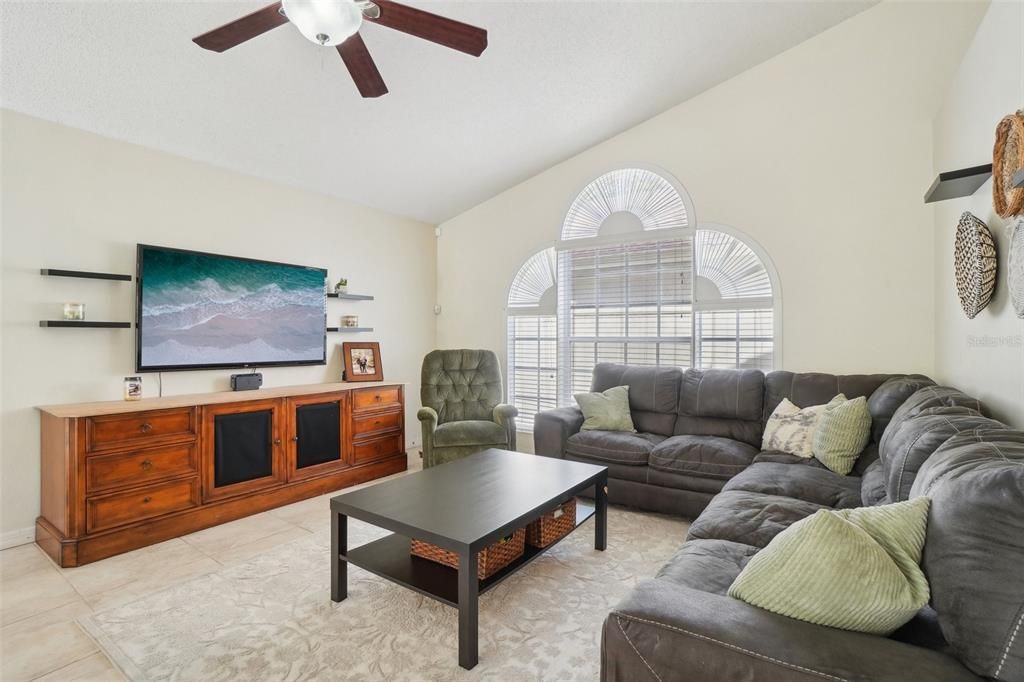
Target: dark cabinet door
242, 448
316, 435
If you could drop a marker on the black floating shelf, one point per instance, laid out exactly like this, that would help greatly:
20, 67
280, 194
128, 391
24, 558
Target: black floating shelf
350, 297
1018, 178
350, 330
958, 183
50, 272
84, 324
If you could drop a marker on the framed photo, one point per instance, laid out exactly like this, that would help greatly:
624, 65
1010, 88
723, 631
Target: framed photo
362, 361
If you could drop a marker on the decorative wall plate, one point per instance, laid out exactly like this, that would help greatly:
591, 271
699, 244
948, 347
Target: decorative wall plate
1015, 274
974, 261
1007, 159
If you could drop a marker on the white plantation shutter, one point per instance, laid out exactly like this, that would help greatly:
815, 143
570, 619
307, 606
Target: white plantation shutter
532, 340
626, 303
734, 324
645, 194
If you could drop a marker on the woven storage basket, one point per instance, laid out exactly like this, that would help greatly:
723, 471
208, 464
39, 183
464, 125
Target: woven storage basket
1015, 263
974, 261
490, 560
553, 526
1007, 159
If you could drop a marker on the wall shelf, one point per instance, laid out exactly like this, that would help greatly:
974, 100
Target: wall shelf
85, 324
958, 183
350, 297
350, 330
112, 276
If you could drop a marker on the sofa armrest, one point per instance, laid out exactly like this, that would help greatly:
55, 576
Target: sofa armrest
505, 416
680, 633
552, 428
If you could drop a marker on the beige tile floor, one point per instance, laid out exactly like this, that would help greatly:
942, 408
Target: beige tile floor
39, 602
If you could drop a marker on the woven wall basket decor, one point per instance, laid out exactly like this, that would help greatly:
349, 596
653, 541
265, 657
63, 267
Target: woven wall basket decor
974, 261
1007, 159
1015, 276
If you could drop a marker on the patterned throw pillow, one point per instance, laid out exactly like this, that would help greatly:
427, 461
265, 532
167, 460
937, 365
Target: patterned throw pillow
854, 569
790, 429
608, 411
843, 432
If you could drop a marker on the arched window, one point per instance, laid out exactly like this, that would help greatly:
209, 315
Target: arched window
634, 281
532, 340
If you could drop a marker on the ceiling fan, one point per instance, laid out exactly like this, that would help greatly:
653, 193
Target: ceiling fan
336, 23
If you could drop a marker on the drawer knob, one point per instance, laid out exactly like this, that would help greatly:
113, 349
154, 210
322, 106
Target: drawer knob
146, 499
147, 464
295, 439
146, 426
378, 397
277, 441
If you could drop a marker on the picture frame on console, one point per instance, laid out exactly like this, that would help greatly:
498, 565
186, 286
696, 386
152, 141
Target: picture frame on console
362, 361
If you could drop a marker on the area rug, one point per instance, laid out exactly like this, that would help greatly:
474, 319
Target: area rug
271, 618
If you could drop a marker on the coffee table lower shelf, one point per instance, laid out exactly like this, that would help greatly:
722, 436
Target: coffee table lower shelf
389, 557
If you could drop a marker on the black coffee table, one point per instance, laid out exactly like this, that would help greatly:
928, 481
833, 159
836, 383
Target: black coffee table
462, 506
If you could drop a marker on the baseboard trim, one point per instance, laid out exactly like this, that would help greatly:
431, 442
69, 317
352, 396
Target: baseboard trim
21, 536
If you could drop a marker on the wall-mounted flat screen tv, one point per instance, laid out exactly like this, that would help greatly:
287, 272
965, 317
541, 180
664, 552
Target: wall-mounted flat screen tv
204, 311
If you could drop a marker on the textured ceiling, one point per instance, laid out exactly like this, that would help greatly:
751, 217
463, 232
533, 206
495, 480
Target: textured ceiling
557, 78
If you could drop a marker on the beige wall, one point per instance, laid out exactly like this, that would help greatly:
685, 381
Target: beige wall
821, 154
984, 356
75, 200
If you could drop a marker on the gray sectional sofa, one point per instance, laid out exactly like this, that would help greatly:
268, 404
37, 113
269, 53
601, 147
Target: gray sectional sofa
697, 454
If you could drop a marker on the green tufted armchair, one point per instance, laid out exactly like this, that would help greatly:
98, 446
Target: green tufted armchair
462, 411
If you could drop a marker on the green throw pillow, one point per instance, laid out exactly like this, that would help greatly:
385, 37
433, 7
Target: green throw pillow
854, 569
608, 411
842, 433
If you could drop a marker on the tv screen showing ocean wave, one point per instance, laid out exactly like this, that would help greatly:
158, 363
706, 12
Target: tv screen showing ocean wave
206, 310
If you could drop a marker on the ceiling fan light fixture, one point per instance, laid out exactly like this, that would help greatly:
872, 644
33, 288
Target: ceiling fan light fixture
324, 22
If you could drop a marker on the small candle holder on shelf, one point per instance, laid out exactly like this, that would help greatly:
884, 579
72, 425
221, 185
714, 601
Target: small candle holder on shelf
74, 312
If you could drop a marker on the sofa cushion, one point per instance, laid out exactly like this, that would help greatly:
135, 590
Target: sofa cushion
619, 447
749, 518
888, 398
622, 472
914, 440
872, 485
683, 481
708, 456
721, 402
791, 429
708, 565
653, 393
722, 393
665, 631
469, 432
927, 398
810, 484
842, 434
814, 388
974, 552
853, 569
787, 458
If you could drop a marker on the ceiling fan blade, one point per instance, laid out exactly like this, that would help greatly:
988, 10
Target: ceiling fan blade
241, 30
437, 29
361, 67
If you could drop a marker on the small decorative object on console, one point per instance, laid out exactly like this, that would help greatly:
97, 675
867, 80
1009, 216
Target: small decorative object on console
74, 311
349, 320
553, 526
490, 560
974, 263
362, 361
133, 388
341, 287
1007, 161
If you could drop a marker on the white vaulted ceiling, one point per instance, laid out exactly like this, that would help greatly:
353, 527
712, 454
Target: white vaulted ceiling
557, 78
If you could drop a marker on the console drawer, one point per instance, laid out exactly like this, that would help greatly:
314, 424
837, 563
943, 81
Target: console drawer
116, 431
378, 448
104, 472
121, 508
377, 398
370, 423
